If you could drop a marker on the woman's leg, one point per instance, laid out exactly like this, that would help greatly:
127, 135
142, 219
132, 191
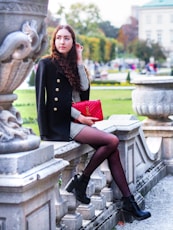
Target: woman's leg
106, 148
118, 173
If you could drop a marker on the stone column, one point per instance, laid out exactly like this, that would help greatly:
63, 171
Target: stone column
153, 98
27, 189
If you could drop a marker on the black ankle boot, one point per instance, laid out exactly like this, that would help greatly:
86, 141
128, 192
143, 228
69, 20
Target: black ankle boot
130, 206
79, 184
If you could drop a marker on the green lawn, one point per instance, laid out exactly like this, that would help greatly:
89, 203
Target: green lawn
113, 102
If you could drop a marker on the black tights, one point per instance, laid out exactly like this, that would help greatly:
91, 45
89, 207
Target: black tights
106, 146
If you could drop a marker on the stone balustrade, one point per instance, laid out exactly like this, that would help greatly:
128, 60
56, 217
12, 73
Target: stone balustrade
27, 189
32, 183
143, 169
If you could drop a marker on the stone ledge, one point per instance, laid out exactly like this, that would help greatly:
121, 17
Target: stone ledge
116, 123
23, 161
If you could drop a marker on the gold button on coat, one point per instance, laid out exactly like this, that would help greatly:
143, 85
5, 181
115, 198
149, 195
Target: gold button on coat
58, 80
55, 109
56, 99
57, 89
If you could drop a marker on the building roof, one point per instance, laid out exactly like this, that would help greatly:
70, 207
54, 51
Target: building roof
158, 3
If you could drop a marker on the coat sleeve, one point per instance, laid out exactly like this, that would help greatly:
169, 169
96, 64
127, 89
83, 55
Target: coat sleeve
40, 83
84, 95
85, 83
83, 78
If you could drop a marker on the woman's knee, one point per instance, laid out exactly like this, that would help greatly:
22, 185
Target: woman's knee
114, 140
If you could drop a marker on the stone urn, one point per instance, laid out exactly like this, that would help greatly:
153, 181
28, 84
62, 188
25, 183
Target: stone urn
152, 98
22, 40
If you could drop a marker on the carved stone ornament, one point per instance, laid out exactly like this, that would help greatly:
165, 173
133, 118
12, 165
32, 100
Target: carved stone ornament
21, 43
153, 98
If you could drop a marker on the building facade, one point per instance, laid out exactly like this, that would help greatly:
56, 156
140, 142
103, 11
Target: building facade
156, 24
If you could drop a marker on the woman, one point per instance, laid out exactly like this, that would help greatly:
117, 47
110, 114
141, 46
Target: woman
60, 80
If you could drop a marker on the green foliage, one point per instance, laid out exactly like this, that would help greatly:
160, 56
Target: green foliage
109, 30
114, 101
112, 50
105, 83
94, 46
84, 18
102, 49
128, 77
98, 48
86, 21
144, 50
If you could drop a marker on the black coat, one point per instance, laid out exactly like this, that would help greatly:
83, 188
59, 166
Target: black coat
54, 99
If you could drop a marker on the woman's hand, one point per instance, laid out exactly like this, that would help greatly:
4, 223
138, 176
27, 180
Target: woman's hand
87, 120
79, 50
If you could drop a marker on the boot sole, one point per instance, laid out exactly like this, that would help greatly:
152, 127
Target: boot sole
127, 213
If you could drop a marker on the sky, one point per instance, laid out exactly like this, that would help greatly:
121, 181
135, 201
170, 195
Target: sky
117, 12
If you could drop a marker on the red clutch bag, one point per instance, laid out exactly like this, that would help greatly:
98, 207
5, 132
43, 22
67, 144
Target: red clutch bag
92, 108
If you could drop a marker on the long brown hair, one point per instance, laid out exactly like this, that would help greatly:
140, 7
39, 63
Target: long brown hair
69, 63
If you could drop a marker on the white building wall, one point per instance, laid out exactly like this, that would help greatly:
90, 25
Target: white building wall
156, 24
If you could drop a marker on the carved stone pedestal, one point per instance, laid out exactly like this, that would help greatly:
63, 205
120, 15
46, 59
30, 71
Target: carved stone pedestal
160, 136
27, 189
21, 43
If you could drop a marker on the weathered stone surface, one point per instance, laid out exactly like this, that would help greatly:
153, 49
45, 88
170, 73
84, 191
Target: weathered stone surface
27, 189
21, 42
152, 97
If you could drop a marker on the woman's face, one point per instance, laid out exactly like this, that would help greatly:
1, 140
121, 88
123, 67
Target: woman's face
63, 41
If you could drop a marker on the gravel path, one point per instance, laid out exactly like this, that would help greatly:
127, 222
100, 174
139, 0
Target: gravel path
159, 201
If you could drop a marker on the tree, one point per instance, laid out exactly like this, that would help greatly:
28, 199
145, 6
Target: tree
157, 51
90, 31
128, 32
143, 50
122, 38
84, 18
108, 29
